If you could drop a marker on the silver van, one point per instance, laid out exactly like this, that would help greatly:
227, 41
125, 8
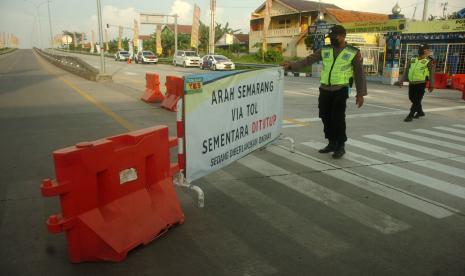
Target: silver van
186, 58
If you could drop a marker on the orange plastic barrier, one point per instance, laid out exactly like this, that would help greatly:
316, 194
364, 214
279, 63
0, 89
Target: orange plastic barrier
174, 91
457, 81
440, 81
152, 89
116, 193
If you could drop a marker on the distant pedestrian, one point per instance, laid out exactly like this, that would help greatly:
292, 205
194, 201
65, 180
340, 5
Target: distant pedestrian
418, 71
342, 65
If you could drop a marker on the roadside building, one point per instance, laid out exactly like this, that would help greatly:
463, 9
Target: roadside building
446, 39
290, 19
229, 39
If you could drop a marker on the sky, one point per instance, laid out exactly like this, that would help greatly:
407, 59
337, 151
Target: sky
20, 16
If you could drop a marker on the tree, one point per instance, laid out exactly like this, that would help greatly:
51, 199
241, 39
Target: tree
78, 38
203, 38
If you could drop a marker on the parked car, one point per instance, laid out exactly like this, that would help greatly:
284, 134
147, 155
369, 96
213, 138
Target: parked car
216, 62
146, 57
186, 58
122, 55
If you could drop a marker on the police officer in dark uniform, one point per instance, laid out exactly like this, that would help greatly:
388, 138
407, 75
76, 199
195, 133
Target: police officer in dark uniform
418, 70
342, 65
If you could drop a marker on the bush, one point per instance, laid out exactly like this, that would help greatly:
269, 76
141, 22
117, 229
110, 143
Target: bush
270, 55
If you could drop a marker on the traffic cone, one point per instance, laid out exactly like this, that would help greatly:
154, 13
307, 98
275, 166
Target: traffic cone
129, 60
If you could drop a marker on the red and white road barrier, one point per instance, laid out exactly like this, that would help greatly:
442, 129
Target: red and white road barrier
180, 135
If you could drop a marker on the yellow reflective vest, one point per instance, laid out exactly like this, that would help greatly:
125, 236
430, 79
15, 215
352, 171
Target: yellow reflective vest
339, 70
418, 69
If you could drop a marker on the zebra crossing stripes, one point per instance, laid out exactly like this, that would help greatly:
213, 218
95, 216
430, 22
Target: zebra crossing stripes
362, 213
298, 228
460, 126
415, 147
251, 263
440, 134
406, 174
423, 205
432, 165
454, 130
427, 140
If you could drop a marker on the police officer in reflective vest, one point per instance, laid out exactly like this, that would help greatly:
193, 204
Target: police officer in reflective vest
417, 72
342, 65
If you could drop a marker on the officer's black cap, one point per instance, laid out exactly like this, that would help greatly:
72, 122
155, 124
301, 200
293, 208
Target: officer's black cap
337, 30
423, 47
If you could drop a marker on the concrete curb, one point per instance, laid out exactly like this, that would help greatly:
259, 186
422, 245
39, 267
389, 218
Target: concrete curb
74, 65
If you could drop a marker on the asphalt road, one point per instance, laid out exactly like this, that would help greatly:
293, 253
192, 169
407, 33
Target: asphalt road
394, 205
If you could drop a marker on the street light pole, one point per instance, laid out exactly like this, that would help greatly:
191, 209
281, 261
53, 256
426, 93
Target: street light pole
425, 10
100, 35
37, 6
50, 24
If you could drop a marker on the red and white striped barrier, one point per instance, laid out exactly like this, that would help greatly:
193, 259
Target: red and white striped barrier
180, 135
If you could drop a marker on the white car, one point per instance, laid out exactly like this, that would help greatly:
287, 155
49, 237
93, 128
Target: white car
186, 58
146, 57
122, 55
216, 62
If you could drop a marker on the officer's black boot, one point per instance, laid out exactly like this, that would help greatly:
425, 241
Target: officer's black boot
419, 114
329, 148
409, 118
339, 151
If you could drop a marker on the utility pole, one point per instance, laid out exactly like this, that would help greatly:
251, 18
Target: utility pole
212, 27
425, 10
100, 34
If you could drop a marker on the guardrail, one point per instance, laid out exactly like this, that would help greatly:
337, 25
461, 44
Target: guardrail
255, 65
3, 52
108, 55
74, 65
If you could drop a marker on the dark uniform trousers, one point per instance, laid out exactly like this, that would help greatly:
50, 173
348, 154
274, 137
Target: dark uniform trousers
416, 91
332, 111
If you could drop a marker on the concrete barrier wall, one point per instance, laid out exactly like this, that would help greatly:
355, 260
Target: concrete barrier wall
74, 65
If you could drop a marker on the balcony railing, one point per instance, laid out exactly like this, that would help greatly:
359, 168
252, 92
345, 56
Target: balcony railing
275, 33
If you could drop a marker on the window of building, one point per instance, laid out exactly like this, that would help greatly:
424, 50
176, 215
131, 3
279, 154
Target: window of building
284, 23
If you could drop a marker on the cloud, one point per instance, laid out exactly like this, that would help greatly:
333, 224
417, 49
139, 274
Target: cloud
184, 10
115, 16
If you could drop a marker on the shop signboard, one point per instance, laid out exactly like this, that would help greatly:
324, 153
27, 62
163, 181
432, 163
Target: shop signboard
394, 25
437, 26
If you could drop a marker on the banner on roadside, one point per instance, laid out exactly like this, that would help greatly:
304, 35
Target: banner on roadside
228, 115
195, 28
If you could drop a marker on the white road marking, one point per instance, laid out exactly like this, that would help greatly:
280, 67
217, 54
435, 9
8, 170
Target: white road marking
440, 134
130, 73
363, 214
461, 126
426, 206
420, 179
298, 228
402, 144
454, 130
423, 139
431, 165
251, 263
381, 114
